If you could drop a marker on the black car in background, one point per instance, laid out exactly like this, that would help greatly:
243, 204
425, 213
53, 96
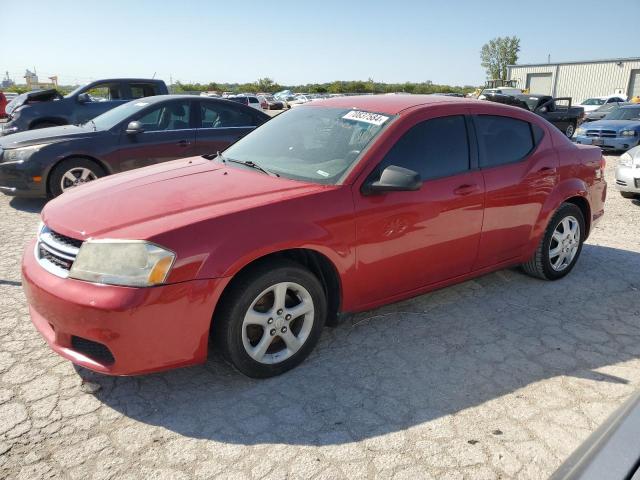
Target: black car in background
557, 111
46, 162
49, 108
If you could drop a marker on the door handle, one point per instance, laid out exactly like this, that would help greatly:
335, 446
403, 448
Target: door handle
547, 171
184, 143
466, 189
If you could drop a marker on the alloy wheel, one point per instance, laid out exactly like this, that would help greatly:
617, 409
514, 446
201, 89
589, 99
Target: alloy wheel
76, 176
564, 244
278, 323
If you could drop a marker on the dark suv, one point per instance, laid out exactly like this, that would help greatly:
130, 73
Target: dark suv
49, 108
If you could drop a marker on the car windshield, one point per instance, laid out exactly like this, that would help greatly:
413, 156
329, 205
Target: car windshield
624, 114
607, 107
532, 102
315, 144
116, 115
593, 101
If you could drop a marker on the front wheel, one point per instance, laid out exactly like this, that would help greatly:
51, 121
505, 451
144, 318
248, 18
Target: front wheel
271, 319
73, 172
560, 246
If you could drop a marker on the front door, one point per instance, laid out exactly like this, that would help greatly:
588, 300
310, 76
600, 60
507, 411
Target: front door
102, 98
408, 240
168, 134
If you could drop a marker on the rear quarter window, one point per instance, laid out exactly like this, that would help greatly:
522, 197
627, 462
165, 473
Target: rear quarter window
504, 140
140, 90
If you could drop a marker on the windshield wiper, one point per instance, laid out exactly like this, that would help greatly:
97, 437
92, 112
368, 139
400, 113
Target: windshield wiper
247, 163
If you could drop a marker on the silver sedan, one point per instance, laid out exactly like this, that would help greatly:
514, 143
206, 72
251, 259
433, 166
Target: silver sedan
628, 173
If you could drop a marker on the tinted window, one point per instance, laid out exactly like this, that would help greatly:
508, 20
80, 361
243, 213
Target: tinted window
139, 90
219, 115
253, 100
170, 116
502, 139
434, 148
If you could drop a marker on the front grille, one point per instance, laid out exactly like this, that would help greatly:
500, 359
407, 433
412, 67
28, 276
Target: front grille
94, 350
55, 252
602, 133
621, 182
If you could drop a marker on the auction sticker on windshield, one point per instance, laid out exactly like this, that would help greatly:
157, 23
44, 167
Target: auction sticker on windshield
367, 117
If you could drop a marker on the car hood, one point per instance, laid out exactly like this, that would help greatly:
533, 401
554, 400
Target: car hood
29, 97
146, 202
45, 135
614, 124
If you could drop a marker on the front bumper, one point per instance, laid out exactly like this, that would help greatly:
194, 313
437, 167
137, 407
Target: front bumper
22, 179
609, 143
628, 179
121, 330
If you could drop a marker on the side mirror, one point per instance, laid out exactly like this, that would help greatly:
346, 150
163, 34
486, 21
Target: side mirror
134, 128
542, 109
84, 98
394, 179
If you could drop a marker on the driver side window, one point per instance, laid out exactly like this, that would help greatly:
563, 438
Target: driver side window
104, 92
434, 148
171, 116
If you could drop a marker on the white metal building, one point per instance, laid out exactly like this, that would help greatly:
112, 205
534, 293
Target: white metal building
580, 80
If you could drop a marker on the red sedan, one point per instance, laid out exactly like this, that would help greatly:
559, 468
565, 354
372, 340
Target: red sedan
334, 207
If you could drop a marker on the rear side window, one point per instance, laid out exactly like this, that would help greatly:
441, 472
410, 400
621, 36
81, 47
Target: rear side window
253, 100
504, 140
218, 115
140, 90
435, 148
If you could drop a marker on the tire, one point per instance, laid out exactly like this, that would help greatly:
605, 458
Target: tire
37, 126
541, 264
570, 130
629, 195
73, 166
253, 294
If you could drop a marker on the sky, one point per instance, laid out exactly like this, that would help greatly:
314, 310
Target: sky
298, 42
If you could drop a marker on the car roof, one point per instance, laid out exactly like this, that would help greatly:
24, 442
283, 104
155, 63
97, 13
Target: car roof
389, 104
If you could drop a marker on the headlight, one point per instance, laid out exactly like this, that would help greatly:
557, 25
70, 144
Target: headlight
628, 133
626, 160
580, 131
7, 130
21, 154
133, 263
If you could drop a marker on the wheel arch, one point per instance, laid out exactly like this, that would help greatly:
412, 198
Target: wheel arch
57, 120
573, 191
316, 262
100, 163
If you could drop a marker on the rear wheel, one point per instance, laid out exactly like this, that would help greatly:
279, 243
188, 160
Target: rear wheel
570, 130
73, 172
560, 246
271, 319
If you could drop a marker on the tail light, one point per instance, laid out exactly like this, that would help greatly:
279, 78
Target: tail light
603, 163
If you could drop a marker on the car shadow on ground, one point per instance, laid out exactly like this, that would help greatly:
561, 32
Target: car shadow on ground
408, 363
31, 205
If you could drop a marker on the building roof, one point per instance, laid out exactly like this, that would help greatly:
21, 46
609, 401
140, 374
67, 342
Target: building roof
553, 64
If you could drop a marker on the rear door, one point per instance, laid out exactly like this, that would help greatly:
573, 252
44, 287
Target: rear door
222, 123
169, 133
519, 167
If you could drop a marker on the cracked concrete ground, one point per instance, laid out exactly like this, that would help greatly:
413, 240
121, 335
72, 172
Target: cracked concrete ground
499, 377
